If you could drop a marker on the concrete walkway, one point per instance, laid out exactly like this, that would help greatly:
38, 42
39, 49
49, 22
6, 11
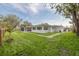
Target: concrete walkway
51, 36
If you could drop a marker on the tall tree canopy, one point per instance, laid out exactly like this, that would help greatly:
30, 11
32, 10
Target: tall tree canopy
11, 21
69, 10
26, 24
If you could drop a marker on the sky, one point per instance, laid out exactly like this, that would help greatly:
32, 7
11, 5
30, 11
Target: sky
34, 13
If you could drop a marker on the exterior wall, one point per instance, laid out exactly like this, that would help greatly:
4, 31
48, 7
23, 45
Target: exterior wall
40, 31
50, 29
60, 29
57, 29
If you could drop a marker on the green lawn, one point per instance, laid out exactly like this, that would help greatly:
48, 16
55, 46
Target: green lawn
47, 34
32, 44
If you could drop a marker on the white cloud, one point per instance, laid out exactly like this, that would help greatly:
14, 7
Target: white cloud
64, 22
19, 7
31, 7
34, 7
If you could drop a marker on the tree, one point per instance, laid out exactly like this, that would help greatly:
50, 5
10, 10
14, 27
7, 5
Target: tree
1, 30
27, 25
69, 10
10, 22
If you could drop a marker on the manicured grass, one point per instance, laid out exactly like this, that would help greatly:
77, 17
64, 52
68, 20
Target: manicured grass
34, 45
25, 44
47, 34
67, 44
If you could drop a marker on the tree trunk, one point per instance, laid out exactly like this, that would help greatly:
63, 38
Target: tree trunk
77, 32
10, 33
1, 36
76, 22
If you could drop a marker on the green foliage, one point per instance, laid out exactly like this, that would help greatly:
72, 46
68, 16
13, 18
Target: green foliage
32, 44
71, 11
11, 21
66, 9
26, 24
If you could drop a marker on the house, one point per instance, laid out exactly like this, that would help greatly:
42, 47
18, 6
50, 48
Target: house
49, 28
43, 28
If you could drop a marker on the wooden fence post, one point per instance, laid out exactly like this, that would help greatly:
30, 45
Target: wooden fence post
1, 35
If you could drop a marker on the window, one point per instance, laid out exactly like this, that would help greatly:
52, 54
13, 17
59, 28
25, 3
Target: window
39, 28
34, 28
45, 28
22, 29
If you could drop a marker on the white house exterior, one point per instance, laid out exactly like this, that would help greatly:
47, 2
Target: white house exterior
50, 28
44, 28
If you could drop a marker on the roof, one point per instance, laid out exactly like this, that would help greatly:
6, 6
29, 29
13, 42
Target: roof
47, 25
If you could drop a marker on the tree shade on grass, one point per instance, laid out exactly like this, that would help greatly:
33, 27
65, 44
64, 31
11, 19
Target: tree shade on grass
33, 45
